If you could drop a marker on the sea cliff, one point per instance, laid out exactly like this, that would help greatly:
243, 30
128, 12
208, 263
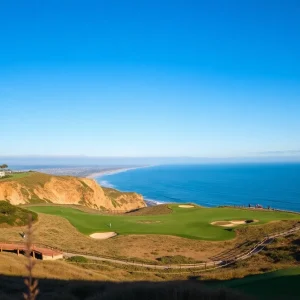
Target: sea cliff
38, 187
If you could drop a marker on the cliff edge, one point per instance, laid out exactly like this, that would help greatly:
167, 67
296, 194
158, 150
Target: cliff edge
38, 187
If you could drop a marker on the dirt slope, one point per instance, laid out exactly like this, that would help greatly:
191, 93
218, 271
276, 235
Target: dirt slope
39, 187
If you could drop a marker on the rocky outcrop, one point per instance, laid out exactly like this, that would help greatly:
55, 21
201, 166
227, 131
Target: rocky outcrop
39, 187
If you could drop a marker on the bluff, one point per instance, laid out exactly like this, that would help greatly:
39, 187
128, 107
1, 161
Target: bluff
37, 187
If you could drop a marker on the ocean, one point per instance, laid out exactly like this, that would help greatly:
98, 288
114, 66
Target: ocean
274, 185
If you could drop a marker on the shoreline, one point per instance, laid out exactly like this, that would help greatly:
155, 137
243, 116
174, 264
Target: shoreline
151, 202
113, 171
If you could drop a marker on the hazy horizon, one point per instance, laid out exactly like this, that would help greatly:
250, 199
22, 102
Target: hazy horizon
137, 161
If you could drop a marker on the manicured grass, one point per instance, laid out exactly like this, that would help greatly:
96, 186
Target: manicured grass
191, 223
15, 176
282, 284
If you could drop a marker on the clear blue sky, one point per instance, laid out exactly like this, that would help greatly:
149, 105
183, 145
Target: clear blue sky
150, 78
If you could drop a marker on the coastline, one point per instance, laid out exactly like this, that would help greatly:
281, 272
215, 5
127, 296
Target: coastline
151, 202
110, 172
96, 175
113, 171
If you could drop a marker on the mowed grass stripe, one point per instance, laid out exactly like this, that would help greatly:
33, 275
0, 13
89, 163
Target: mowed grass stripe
191, 223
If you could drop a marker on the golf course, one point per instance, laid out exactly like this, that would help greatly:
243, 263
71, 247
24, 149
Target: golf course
190, 222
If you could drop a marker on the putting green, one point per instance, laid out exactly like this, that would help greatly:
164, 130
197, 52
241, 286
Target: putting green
191, 223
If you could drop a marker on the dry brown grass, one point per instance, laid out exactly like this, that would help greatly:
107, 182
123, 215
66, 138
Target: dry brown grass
11, 264
58, 232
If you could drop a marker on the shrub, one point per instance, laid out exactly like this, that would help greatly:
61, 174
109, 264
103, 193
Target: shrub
249, 221
78, 259
176, 259
13, 215
6, 208
280, 256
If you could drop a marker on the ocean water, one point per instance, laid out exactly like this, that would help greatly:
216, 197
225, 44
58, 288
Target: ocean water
274, 185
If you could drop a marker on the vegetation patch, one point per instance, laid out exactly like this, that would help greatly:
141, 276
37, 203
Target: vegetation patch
162, 209
14, 176
14, 216
176, 259
78, 259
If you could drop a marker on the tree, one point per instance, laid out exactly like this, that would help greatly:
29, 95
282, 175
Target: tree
4, 166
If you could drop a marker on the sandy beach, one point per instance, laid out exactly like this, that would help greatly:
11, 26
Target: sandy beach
113, 171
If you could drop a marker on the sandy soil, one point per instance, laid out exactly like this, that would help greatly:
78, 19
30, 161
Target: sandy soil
231, 223
102, 235
186, 206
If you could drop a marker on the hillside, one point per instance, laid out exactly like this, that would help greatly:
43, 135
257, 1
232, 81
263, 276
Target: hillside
14, 216
43, 188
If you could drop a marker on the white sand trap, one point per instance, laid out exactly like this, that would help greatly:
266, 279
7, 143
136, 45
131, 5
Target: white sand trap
103, 235
186, 206
233, 223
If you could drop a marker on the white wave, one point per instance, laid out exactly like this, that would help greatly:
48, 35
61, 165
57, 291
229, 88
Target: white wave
154, 202
107, 184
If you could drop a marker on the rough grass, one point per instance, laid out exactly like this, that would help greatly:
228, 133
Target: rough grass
176, 259
58, 232
11, 215
193, 224
30, 179
15, 176
281, 284
162, 209
269, 286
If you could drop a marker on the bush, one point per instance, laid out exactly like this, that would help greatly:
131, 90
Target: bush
176, 259
249, 221
13, 215
78, 259
6, 208
280, 256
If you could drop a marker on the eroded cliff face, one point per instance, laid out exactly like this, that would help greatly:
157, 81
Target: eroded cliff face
38, 187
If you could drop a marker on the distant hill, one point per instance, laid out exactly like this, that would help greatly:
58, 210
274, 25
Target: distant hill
35, 187
14, 216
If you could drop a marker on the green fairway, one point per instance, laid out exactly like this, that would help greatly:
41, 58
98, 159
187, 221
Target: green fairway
191, 223
14, 176
282, 284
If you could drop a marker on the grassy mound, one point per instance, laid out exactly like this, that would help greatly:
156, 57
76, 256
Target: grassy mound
14, 216
162, 209
78, 259
189, 223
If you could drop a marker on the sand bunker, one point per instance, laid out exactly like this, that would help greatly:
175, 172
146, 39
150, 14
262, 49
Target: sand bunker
103, 235
233, 223
186, 206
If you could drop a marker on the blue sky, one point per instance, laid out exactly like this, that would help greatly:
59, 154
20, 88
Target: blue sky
150, 78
